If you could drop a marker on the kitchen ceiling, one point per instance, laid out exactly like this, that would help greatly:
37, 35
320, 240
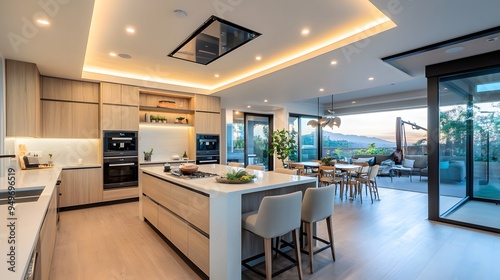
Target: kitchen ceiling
293, 67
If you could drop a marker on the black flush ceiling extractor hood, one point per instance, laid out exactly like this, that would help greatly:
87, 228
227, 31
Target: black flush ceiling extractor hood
212, 40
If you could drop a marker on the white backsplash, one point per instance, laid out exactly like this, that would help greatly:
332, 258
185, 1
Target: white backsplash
165, 141
65, 152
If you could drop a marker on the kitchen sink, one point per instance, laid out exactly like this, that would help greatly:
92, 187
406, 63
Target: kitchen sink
29, 194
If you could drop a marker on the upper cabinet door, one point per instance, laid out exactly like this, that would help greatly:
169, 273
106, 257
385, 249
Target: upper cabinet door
68, 90
119, 94
23, 118
207, 103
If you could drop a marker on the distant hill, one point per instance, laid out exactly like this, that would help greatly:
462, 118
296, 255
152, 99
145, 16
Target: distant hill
358, 141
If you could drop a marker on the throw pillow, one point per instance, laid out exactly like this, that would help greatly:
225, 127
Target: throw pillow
408, 163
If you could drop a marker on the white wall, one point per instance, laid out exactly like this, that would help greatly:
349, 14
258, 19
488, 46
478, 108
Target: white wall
165, 140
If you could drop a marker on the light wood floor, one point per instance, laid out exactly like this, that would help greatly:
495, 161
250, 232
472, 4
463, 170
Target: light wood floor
389, 239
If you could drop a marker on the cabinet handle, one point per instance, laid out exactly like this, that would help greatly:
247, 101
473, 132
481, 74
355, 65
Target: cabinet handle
121, 164
205, 161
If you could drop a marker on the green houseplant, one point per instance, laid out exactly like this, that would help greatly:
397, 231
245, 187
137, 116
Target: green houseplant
147, 155
180, 119
283, 144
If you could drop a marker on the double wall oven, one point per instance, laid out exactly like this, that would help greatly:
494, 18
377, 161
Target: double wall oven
120, 159
207, 149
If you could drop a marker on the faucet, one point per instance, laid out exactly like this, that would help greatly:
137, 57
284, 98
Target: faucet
7, 156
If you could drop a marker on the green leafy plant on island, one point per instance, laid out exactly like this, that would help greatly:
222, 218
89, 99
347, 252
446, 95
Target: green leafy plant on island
283, 144
239, 175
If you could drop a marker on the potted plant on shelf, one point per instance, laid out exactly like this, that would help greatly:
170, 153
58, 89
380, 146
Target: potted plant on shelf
147, 155
179, 119
283, 144
152, 118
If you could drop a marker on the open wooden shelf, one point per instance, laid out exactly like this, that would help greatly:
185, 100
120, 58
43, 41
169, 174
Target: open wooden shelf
165, 110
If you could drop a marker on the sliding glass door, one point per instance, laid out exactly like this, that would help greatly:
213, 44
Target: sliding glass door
257, 127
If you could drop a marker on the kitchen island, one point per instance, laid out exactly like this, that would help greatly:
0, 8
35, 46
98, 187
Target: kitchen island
202, 217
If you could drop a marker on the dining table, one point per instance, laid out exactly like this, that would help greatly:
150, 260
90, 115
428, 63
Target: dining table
349, 168
309, 165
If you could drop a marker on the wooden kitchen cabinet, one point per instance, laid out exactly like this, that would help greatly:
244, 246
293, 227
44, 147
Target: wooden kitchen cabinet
207, 123
47, 238
207, 103
120, 117
61, 119
23, 109
69, 90
119, 94
81, 186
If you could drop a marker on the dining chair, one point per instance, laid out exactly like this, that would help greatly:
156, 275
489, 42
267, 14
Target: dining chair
327, 175
297, 166
316, 170
276, 216
256, 167
286, 171
235, 164
317, 205
370, 183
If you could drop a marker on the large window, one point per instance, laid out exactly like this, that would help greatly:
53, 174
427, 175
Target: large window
307, 138
468, 147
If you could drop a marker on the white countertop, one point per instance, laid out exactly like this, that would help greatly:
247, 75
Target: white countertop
264, 181
29, 216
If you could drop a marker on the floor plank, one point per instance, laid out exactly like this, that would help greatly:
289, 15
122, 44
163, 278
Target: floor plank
389, 239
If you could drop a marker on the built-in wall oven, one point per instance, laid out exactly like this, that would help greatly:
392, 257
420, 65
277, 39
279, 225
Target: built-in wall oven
207, 149
120, 159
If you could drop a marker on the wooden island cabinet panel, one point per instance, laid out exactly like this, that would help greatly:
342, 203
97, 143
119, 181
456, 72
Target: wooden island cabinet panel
180, 214
23, 107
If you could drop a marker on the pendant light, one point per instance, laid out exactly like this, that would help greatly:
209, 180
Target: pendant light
331, 121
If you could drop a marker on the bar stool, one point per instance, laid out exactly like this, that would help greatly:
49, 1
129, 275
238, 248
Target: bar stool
256, 167
316, 206
277, 215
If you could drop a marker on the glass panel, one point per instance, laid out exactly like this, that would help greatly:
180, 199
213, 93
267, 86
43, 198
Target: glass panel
236, 139
470, 147
212, 40
308, 143
257, 145
293, 125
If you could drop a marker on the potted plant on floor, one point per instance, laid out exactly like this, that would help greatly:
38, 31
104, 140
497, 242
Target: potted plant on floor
283, 144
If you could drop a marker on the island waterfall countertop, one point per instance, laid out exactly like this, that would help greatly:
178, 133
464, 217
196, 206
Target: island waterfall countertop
264, 181
226, 204
30, 216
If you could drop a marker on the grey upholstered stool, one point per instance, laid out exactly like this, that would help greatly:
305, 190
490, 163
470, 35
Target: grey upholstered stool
316, 206
277, 215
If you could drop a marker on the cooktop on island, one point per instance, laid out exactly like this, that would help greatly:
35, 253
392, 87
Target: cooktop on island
191, 175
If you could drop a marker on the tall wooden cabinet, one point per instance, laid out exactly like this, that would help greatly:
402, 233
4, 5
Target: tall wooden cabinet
120, 107
208, 118
70, 109
23, 110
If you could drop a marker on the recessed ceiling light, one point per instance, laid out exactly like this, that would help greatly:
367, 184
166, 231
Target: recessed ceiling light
492, 39
265, 100
321, 89
371, 79
305, 31
353, 102
237, 112
249, 106
454, 50
180, 13
258, 58
333, 62
112, 54
216, 75
130, 30
43, 21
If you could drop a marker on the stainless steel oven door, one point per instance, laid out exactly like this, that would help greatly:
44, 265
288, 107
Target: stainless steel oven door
120, 172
